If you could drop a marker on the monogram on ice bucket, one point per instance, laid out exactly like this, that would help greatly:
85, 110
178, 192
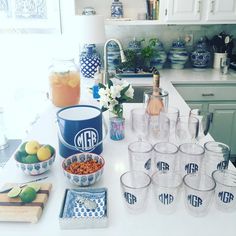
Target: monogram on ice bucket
86, 139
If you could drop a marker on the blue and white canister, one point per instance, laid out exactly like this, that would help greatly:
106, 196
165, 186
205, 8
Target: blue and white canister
178, 55
200, 58
160, 56
113, 56
89, 61
117, 9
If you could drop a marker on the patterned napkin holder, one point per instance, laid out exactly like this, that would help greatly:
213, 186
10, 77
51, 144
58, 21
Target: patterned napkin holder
84, 208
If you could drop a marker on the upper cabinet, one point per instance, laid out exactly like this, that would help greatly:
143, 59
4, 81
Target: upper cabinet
222, 11
170, 11
200, 11
183, 10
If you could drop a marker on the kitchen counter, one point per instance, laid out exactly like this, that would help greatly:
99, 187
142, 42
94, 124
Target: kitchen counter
116, 157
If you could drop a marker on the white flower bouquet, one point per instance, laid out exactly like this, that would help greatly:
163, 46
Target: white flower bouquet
112, 96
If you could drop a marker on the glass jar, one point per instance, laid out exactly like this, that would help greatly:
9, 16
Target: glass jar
64, 81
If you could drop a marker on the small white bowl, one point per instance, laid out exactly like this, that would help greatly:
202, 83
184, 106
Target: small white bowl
37, 168
83, 179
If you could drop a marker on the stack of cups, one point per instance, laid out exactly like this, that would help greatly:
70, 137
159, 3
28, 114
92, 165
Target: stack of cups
216, 156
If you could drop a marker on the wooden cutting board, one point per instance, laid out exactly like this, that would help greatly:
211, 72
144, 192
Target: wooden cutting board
14, 210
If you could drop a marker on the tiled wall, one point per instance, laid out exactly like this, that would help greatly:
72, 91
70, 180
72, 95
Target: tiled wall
166, 33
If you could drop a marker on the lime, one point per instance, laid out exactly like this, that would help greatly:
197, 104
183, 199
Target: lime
20, 156
35, 186
30, 159
32, 147
22, 148
14, 192
44, 153
28, 194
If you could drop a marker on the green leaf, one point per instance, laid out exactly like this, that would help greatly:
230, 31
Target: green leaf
104, 109
109, 82
123, 91
101, 85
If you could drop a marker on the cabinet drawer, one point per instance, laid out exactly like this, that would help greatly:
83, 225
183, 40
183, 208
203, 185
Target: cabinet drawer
207, 92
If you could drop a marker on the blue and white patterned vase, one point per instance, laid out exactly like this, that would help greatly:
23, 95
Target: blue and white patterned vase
117, 9
113, 56
159, 59
178, 55
89, 61
200, 58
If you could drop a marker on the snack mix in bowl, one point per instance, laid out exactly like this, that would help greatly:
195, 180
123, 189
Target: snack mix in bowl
83, 169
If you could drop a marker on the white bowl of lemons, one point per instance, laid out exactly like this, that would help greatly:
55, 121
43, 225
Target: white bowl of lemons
34, 158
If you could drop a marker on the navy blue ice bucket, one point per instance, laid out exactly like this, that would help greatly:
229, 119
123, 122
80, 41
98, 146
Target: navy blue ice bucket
80, 129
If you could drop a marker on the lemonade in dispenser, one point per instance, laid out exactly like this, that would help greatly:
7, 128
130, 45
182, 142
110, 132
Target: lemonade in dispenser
64, 81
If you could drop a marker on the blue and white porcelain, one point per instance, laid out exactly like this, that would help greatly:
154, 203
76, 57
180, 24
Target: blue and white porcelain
35, 168
89, 61
178, 55
117, 9
200, 58
84, 208
160, 57
113, 56
83, 179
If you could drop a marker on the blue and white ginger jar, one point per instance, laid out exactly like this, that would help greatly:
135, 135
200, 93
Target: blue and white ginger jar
200, 58
117, 9
159, 59
178, 55
89, 61
113, 56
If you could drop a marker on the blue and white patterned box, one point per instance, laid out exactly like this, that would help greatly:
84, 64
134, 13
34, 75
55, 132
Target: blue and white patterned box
84, 208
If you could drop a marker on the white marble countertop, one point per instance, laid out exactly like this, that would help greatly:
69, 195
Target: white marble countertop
115, 153
189, 76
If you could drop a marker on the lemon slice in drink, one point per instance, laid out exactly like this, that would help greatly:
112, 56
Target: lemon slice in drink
35, 186
14, 192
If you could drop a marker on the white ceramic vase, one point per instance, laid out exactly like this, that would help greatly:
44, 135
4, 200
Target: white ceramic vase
218, 57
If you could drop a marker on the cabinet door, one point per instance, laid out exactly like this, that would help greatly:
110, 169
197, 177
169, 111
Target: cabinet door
223, 128
183, 10
221, 10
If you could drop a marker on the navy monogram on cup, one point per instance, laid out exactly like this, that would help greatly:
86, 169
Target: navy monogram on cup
191, 156
134, 190
130, 198
199, 190
166, 187
225, 192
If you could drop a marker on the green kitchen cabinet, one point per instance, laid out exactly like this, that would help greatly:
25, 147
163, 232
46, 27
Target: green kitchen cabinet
220, 100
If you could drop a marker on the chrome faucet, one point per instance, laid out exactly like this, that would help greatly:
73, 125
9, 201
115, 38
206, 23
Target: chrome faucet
122, 55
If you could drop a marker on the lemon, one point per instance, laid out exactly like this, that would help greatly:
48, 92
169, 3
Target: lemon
14, 192
30, 159
44, 153
27, 194
35, 186
50, 148
73, 82
32, 147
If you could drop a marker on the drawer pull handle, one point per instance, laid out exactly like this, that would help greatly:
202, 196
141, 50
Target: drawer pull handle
208, 94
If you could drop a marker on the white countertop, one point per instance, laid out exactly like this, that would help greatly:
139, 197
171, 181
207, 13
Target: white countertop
121, 222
